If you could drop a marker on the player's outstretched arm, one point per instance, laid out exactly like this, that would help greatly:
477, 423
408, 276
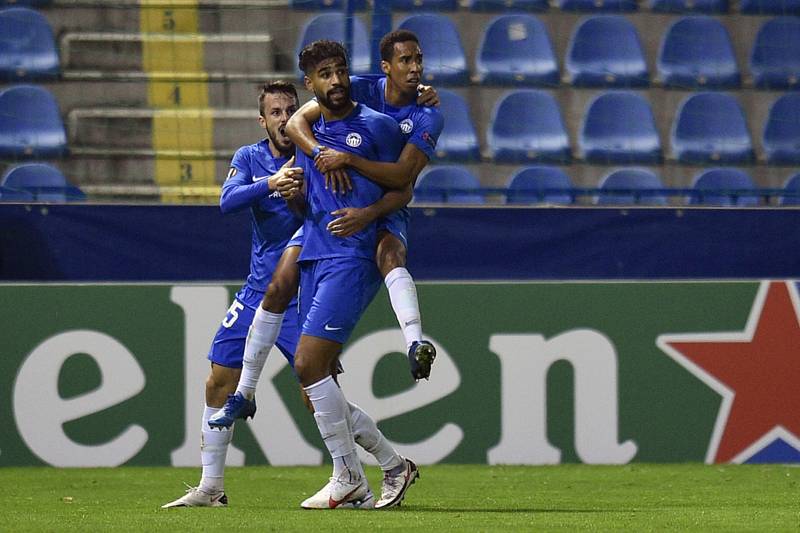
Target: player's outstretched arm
351, 220
395, 175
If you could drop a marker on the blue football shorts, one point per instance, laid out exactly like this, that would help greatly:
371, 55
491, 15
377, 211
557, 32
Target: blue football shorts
334, 293
227, 348
396, 224
297, 239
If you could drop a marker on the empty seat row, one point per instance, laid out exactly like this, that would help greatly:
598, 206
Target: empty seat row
551, 185
526, 125
603, 51
748, 7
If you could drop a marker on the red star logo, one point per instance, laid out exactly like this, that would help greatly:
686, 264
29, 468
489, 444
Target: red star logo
757, 373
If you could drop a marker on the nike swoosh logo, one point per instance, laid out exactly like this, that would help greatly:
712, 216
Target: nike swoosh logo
333, 504
255, 179
328, 328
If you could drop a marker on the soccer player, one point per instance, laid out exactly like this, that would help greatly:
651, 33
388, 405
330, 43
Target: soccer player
252, 183
395, 95
338, 275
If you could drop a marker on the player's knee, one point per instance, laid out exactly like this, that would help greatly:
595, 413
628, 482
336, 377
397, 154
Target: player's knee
221, 382
390, 258
279, 294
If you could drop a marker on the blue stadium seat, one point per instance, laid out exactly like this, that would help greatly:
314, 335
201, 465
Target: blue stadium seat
770, 7
791, 186
30, 124
451, 184
427, 5
509, 5
598, 6
458, 140
15, 195
526, 126
708, 7
605, 51
775, 61
619, 127
27, 46
30, 3
710, 128
714, 183
539, 184
622, 186
782, 131
45, 182
697, 52
331, 26
319, 5
516, 50
445, 61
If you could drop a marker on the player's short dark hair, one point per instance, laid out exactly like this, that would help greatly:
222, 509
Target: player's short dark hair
392, 38
315, 53
275, 87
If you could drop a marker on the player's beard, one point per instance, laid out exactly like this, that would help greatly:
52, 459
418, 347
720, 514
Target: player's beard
325, 100
274, 136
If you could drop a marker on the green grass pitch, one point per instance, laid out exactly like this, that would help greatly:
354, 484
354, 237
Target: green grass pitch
445, 498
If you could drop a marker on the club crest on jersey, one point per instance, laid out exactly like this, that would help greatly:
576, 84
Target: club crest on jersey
353, 140
406, 126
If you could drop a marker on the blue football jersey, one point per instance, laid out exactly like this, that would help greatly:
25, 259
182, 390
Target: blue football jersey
364, 132
272, 221
420, 125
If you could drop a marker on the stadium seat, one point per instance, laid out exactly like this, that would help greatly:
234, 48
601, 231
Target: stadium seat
450, 184
539, 184
714, 183
509, 5
458, 140
775, 61
605, 51
15, 195
320, 5
622, 186
332, 26
782, 131
45, 182
29, 3
708, 7
427, 5
526, 126
697, 52
445, 61
770, 7
30, 124
516, 50
709, 128
619, 127
791, 186
27, 46
598, 6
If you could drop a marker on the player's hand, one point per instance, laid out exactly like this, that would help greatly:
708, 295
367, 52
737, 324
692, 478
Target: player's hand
288, 181
330, 159
350, 221
427, 96
338, 181
286, 178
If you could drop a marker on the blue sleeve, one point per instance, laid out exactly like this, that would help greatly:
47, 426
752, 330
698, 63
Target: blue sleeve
239, 191
427, 130
362, 89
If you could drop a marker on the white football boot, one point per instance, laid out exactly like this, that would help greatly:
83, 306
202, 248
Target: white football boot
341, 493
394, 488
195, 497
